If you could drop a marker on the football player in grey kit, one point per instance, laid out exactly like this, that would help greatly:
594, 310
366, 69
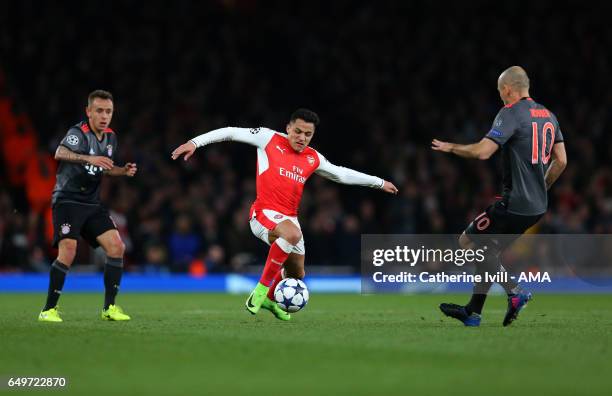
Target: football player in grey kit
534, 157
85, 154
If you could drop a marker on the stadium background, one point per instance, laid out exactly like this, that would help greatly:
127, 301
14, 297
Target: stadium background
385, 79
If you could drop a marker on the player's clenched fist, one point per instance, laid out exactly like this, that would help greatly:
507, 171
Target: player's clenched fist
130, 169
188, 149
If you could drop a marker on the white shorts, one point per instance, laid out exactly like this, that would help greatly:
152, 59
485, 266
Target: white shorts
269, 217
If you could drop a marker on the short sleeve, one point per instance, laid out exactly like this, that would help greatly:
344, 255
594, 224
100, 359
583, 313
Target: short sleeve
504, 126
75, 141
558, 134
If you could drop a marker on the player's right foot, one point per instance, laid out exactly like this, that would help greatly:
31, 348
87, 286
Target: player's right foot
114, 313
275, 309
458, 312
515, 304
50, 315
257, 298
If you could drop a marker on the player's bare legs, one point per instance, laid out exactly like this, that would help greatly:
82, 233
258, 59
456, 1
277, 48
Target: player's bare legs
113, 270
66, 253
294, 266
286, 230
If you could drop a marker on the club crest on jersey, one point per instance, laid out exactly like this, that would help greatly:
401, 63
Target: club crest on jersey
310, 160
72, 140
65, 228
109, 148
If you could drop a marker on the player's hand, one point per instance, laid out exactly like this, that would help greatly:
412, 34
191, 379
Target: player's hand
130, 169
188, 149
439, 145
389, 188
100, 161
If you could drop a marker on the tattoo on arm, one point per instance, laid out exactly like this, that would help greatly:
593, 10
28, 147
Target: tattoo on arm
65, 154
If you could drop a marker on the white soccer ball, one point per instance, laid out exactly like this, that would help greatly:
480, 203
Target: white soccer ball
291, 295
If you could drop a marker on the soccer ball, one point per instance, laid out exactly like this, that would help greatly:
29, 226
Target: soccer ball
291, 295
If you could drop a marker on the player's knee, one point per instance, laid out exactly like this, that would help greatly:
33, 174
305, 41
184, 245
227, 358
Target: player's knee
293, 236
116, 248
67, 251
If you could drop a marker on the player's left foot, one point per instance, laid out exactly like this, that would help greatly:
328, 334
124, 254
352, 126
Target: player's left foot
114, 312
257, 298
515, 304
275, 309
459, 312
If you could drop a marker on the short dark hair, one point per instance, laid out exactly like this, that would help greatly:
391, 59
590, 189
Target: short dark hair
306, 115
99, 93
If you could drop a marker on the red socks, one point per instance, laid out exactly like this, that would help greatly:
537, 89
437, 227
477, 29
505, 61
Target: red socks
277, 279
279, 251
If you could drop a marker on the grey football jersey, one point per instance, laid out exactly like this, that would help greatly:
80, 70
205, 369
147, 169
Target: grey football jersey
81, 182
526, 132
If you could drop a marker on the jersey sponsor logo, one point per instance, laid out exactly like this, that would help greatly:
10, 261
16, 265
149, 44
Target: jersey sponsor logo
310, 160
295, 175
255, 131
282, 150
496, 133
65, 228
109, 148
72, 140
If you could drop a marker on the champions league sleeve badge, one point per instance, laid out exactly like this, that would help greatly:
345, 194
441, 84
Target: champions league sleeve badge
72, 140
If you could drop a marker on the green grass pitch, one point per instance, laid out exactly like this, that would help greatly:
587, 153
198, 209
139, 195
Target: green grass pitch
207, 344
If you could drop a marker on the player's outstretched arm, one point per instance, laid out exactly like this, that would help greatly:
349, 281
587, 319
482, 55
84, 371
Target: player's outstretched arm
482, 150
65, 154
343, 175
258, 137
559, 161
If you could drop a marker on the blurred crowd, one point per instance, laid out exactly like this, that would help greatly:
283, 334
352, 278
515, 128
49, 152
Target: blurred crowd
385, 78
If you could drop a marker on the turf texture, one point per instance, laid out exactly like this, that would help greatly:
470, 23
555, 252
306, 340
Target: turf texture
207, 344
